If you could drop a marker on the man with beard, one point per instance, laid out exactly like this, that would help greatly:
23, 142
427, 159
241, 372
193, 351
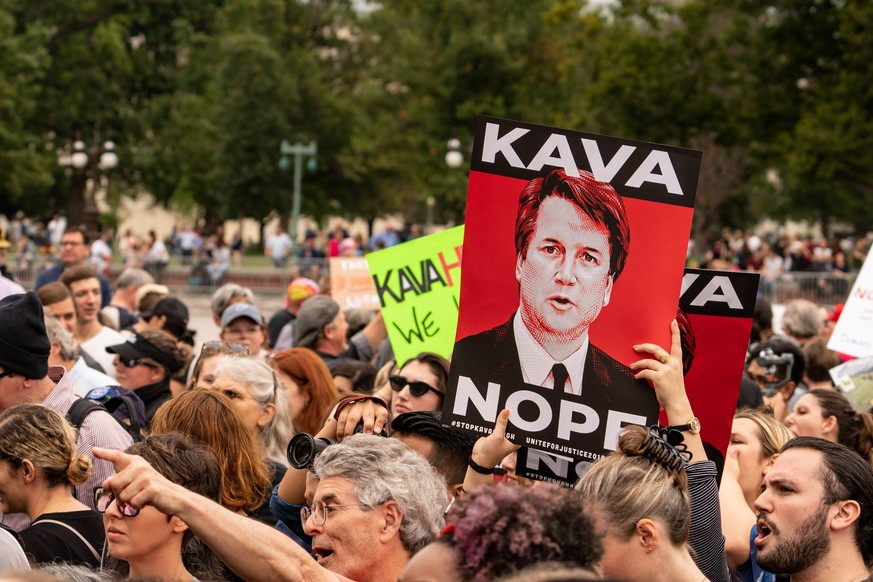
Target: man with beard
815, 513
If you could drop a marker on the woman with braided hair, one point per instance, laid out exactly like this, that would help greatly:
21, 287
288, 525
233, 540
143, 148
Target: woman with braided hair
38, 469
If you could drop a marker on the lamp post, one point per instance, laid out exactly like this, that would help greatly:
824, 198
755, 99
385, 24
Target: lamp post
299, 150
95, 162
430, 202
454, 157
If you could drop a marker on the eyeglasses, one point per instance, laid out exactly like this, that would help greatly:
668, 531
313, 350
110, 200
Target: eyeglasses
134, 362
319, 511
415, 388
102, 499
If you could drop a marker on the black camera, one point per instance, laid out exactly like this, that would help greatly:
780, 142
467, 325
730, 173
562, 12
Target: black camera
773, 365
304, 448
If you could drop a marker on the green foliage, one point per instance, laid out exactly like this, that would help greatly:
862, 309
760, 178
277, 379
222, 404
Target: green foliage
198, 96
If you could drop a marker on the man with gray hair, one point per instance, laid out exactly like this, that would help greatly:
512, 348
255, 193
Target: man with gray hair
121, 311
801, 321
227, 295
377, 502
65, 352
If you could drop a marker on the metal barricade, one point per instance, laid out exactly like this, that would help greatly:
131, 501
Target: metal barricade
826, 289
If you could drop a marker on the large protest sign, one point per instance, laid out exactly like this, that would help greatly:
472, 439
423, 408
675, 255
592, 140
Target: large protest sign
573, 252
715, 323
351, 284
417, 284
719, 306
853, 333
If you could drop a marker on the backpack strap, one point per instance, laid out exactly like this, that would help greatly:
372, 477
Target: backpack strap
80, 410
136, 424
72, 529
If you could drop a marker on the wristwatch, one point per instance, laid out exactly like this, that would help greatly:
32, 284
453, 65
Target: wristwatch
692, 426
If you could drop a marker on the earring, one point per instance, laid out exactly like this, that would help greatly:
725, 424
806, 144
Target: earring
649, 550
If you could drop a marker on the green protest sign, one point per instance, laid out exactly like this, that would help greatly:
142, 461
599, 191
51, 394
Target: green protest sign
418, 284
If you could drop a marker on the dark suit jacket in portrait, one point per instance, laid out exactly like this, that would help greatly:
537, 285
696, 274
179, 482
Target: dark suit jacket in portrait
607, 384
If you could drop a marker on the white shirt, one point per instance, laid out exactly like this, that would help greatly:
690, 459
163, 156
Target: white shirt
11, 555
279, 245
96, 348
84, 378
9, 287
158, 252
536, 363
101, 255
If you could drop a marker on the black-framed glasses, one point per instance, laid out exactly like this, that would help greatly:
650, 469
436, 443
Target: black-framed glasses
134, 362
103, 498
416, 388
319, 511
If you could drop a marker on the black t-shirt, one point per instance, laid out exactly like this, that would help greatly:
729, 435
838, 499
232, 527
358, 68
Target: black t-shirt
46, 542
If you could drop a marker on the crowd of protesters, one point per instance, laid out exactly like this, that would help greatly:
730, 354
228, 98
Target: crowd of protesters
126, 453
32, 248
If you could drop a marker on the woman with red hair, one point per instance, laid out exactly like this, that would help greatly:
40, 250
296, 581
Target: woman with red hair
309, 386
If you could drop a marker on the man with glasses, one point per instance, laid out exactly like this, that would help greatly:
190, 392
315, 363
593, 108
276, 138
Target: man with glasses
26, 377
376, 504
74, 251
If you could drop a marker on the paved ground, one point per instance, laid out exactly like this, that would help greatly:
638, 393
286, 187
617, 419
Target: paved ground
201, 315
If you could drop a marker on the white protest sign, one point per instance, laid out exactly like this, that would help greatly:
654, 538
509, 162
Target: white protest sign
853, 333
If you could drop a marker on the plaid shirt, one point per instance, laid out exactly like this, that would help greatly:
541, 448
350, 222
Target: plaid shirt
99, 429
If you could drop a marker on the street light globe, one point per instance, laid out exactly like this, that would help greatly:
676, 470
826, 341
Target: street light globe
108, 160
79, 159
454, 159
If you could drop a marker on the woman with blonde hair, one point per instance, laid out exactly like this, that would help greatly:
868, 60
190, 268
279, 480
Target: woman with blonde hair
308, 385
653, 499
756, 439
38, 469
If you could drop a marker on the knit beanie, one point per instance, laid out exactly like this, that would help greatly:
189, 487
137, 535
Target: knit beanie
24, 344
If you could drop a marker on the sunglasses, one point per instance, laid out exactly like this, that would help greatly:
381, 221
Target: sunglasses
134, 362
415, 388
103, 498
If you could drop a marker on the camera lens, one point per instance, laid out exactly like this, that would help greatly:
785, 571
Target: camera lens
301, 451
